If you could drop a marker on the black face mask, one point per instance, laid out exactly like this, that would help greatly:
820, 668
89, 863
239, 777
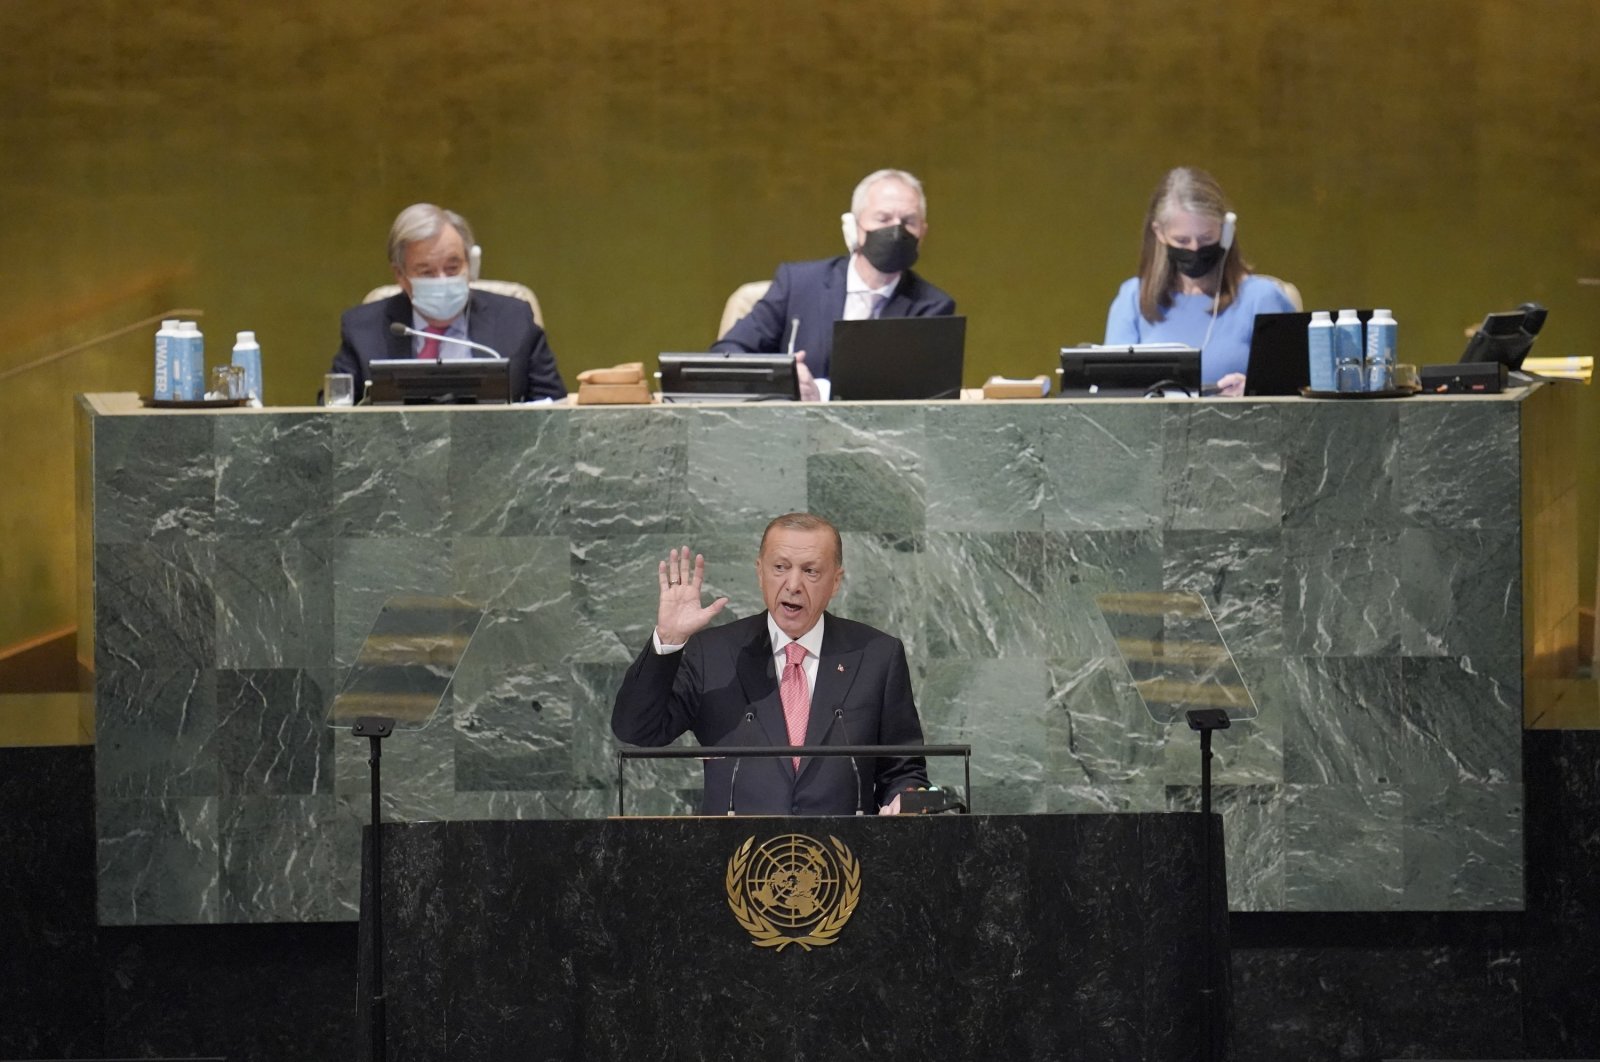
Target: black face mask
891, 249
1195, 263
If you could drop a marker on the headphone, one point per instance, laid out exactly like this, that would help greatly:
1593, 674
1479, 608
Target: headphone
474, 262
852, 234
1230, 222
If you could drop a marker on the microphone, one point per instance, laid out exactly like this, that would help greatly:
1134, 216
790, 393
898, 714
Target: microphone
733, 782
399, 329
838, 716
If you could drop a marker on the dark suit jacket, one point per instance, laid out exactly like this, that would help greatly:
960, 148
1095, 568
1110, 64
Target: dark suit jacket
814, 292
726, 674
497, 321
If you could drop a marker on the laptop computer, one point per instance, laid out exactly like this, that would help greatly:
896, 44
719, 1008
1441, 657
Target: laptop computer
897, 358
1280, 363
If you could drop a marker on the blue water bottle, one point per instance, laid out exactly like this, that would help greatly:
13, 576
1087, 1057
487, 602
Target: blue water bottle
1381, 334
1319, 349
164, 337
188, 361
1347, 351
247, 355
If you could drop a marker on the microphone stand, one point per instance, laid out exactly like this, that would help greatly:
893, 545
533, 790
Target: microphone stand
1206, 721
375, 728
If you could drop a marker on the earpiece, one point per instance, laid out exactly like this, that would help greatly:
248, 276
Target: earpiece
1230, 222
474, 262
847, 222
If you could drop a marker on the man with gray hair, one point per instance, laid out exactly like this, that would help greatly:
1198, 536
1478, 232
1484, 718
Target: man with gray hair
883, 231
434, 259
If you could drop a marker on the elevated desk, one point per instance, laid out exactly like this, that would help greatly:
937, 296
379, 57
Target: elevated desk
1387, 574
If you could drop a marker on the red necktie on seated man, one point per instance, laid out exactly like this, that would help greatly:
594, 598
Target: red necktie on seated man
796, 698
430, 346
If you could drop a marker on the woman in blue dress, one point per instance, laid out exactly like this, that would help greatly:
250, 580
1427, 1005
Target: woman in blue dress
1194, 286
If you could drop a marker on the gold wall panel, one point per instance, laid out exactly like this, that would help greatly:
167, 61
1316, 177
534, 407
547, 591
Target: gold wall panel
633, 162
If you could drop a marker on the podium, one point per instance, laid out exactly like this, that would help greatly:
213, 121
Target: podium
1056, 937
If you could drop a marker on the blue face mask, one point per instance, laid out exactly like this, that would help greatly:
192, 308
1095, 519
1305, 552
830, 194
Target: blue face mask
439, 298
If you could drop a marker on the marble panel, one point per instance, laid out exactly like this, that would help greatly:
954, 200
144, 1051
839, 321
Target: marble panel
745, 466
272, 734
1223, 465
1342, 721
1102, 465
1461, 844
156, 734
884, 586
390, 474
418, 768
985, 468
1027, 594
1240, 576
510, 474
999, 707
1457, 467
1251, 750
289, 859
628, 470
1339, 466
1341, 592
273, 602
1462, 721
866, 470
526, 586
369, 571
274, 475
155, 479
1343, 848
513, 728
158, 861
1460, 592
154, 606
1099, 737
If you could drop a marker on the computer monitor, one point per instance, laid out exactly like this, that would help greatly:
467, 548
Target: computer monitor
891, 359
729, 378
1129, 371
1506, 337
458, 382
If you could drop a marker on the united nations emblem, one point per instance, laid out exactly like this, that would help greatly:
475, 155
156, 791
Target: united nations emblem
793, 890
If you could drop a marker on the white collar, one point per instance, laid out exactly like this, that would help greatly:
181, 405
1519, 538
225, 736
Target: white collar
811, 640
853, 282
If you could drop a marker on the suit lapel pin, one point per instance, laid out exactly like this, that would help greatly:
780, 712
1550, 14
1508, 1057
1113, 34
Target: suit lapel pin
841, 669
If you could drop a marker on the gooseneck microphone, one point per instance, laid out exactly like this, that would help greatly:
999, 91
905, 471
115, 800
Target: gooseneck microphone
399, 329
838, 715
733, 781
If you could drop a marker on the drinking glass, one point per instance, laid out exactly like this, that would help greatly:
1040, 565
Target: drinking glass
338, 389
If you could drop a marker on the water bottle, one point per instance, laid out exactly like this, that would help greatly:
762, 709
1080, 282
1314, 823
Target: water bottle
164, 336
1381, 332
188, 361
247, 355
1319, 347
1347, 351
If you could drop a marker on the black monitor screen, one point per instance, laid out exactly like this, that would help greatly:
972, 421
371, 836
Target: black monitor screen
1129, 372
462, 382
728, 378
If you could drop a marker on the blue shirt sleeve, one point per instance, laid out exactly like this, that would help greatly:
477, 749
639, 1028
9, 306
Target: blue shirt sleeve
1122, 321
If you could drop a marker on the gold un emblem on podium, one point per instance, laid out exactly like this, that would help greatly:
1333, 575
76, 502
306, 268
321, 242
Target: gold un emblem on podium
793, 890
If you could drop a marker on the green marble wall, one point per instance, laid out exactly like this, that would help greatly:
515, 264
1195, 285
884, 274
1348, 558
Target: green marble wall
1363, 561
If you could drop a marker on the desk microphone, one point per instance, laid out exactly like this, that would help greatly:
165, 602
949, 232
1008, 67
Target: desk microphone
733, 782
399, 329
838, 715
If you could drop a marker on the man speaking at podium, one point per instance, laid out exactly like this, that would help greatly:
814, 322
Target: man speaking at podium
793, 675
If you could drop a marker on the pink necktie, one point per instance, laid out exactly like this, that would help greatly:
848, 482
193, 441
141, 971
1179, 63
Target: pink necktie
430, 346
796, 698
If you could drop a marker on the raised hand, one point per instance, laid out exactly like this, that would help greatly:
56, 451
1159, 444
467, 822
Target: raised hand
680, 613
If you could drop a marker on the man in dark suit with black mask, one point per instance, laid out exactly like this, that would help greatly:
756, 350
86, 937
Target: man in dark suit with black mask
432, 253
792, 675
883, 231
